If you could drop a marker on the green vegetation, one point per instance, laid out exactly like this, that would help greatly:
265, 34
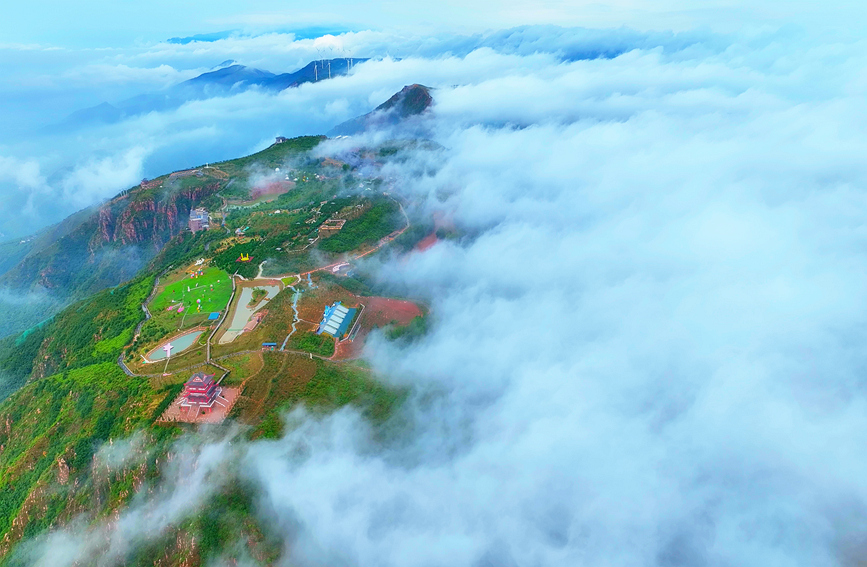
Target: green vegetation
321, 386
336, 386
66, 416
171, 393
357, 283
88, 332
186, 247
408, 333
228, 521
380, 220
257, 295
413, 235
208, 292
240, 368
322, 345
213, 288
272, 156
67, 397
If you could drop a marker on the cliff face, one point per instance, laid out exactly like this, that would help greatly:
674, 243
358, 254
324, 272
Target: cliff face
110, 246
148, 219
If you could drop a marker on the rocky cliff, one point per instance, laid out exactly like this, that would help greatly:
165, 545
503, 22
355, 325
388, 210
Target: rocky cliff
147, 219
108, 247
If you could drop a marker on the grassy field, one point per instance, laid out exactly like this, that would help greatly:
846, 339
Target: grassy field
323, 345
241, 367
213, 288
287, 380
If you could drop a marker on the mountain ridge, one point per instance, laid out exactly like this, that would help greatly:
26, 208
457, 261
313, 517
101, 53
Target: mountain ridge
411, 101
221, 81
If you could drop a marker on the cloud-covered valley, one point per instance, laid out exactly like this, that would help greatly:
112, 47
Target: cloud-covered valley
649, 351
647, 348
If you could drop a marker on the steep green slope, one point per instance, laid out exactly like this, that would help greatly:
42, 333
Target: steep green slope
90, 331
51, 430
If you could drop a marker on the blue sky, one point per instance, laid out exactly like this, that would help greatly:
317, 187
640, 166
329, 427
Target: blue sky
106, 23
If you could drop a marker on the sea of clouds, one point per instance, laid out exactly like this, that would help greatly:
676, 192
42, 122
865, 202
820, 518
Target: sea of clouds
648, 349
49, 169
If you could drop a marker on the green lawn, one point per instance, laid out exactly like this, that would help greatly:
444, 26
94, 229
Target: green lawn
213, 288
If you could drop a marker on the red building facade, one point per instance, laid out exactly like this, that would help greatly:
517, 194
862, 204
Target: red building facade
201, 389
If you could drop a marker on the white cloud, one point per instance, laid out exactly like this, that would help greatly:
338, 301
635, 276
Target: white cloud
649, 350
648, 347
151, 78
101, 178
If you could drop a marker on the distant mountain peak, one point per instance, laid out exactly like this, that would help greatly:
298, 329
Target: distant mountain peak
228, 77
233, 74
226, 63
411, 100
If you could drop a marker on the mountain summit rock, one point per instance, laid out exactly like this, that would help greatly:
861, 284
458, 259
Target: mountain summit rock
411, 100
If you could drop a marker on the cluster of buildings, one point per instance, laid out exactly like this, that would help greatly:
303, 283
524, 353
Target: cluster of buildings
335, 321
202, 400
200, 219
150, 183
331, 226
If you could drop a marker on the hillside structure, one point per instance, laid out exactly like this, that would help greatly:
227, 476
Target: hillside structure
199, 220
335, 320
200, 390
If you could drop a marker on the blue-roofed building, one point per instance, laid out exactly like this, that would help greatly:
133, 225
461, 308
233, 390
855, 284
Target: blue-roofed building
335, 320
214, 316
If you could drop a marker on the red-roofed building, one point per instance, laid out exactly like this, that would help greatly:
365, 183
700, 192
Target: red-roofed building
200, 389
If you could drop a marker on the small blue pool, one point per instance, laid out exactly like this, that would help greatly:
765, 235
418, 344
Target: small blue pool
180, 344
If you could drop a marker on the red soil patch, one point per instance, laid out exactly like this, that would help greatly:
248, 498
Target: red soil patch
378, 312
272, 188
382, 311
350, 349
427, 242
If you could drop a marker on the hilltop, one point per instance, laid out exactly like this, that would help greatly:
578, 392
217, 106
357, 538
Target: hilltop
410, 101
268, 296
